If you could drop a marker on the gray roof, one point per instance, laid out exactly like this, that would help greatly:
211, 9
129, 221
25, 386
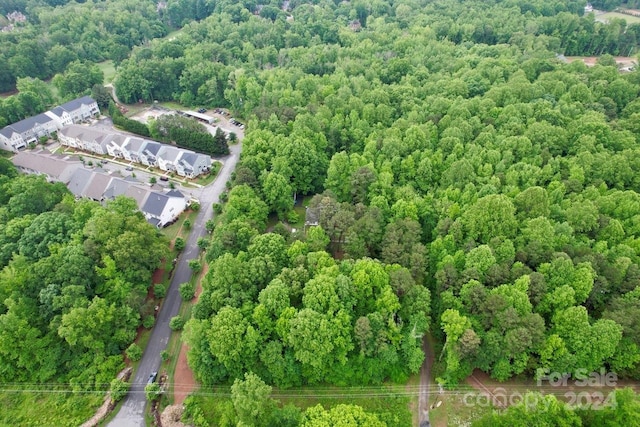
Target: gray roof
58, 167
77, 103
58, 111
84, 132
155, 204
189, 158
79, 181
170, 153
153, 147
153, 221
139, 194
7, 132
97, 187
134, 144
116, 188
175, 193
29, 123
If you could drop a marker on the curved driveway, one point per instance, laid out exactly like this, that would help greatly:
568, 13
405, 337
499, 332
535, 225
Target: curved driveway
132, 411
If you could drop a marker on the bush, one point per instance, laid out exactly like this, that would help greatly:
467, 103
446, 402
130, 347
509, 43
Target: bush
179, 244
187, 291
217, 209
176, 323
203, 243
195, 265
164, 355
152, 391
195, 206
160, 290
187, 224
211, 224
119, 389
148, 321
134, 352
293, 217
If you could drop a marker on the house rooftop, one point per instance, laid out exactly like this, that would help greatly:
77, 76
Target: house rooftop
57, 167
29, 123
155, 204
79, 181
77, 103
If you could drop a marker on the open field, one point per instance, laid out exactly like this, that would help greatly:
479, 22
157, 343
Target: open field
108, 69
610, 15
47, 408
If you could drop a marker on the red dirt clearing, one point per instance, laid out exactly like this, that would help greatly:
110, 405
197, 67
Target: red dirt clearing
183, 380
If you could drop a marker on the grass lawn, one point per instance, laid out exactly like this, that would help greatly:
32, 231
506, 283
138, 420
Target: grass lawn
172, 231
108, 69
208, 179
457, 408
630, 19
390, 406
171, 105
47, 408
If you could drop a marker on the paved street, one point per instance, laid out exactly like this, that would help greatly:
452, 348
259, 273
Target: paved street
131, 413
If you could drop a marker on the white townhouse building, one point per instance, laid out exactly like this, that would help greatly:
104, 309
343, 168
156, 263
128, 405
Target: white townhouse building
19, 135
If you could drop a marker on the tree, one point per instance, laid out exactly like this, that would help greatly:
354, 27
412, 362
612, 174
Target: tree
176, 323
118, 389
134, 352
251, 400
152, 391
179, 244
78, 78
187, 291
277, 193
346, 415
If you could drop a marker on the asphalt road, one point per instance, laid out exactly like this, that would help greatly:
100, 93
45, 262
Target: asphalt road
131, 412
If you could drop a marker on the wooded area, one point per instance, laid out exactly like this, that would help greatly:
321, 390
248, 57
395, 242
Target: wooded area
465, 181
73, 284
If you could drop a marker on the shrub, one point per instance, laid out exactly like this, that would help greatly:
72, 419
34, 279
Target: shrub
203, 243
179, 244
134, 352
187, 224
164, 355
195, 265
160, 290
152, 391
176, 323
119, 389
187, 291
148, 321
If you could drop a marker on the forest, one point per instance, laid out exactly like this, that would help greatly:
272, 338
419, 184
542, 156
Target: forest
484, 190
491, 186
460, 177
73, 285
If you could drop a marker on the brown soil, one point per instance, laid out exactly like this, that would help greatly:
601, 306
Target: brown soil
183, 380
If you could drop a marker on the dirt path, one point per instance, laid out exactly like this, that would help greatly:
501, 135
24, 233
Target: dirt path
183, 380
425, 381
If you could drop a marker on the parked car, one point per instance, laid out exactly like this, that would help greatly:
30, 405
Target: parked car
164, 178
152, 377
129, 168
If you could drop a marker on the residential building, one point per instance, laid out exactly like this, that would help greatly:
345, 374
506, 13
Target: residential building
54, 168
18, 135
158, 207
168, 158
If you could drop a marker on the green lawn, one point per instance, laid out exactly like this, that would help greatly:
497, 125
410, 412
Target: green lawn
50, 407
630, 19
108, 69
389, 405
209, 178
